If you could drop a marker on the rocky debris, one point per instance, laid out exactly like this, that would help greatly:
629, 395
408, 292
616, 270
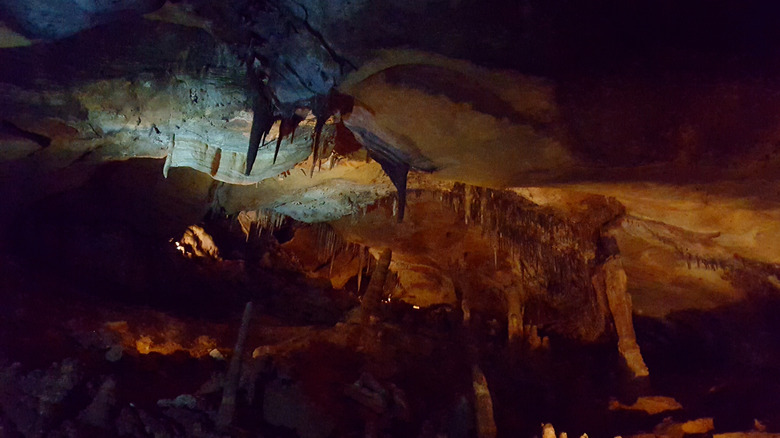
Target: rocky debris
368, 392
128, 423
98, 412
192, 423
156, 426
385, 400
33, 401
285, 404
51, 403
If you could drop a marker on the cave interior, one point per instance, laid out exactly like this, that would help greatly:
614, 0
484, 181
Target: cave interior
409, 218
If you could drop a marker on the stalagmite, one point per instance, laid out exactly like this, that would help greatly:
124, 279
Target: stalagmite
514, 304
614, 284
483, 404
466, 309
361, 258
548, 431
375, 291
534, 341
227, 409
169, 157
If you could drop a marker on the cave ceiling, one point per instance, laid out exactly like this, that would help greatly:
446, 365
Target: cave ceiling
320, 111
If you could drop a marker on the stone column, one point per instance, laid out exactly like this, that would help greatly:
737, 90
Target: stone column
369, 304
612, 281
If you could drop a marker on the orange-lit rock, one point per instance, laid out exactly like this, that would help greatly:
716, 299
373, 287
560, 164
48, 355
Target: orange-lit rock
699, 426
649, 404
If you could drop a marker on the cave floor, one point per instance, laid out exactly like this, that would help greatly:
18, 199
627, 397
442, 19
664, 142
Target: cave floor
81, 363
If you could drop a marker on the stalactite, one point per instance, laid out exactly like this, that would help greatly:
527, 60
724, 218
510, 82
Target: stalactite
261, 220
287, 127
262, 120
547, 252
329, 243
321, 119
215, 162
